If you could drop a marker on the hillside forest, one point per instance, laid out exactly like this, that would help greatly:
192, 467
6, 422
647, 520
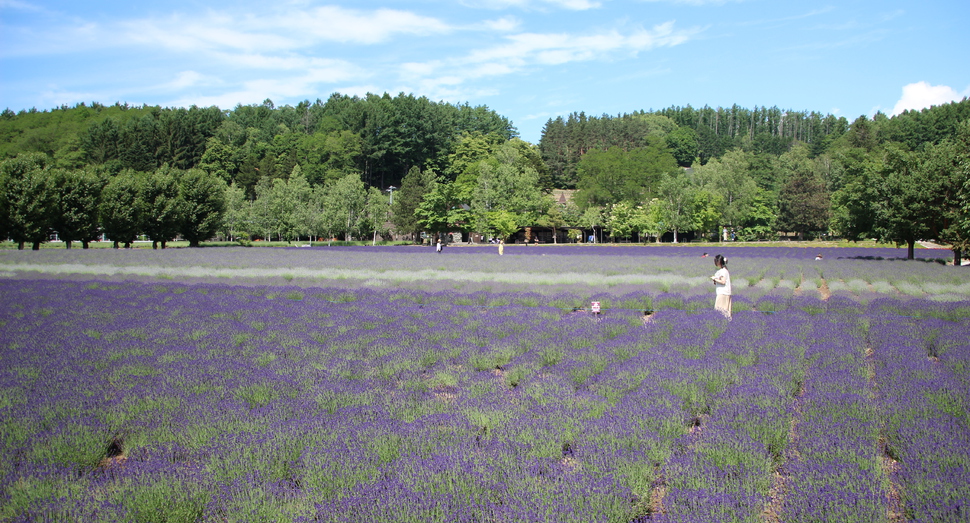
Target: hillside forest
380, 166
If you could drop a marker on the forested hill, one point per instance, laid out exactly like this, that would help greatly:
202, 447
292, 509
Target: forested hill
381, 137
708, 132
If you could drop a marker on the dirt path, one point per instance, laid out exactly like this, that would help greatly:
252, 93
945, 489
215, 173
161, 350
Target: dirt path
781, 480
824, 290
895, 510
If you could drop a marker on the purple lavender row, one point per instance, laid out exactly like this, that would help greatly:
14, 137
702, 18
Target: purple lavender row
247, 456
724, 471
924, 394
833, 471
326, 404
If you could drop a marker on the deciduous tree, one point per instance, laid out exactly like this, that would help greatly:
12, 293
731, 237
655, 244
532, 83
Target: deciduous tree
204, 205
121, 210
413, 189
77, 212
162, 206
27, 199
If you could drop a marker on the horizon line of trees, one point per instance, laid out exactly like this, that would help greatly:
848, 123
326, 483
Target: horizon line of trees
381, 137
896, 179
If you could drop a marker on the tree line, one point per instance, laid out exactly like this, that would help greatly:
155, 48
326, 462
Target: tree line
84, 205
381, 137
325, 169
767, 171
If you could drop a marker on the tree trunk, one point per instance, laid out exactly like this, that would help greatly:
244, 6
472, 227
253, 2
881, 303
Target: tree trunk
114, 244
20, 246
957, 256
910, 248
154, 244
35, 246
84, 244
67, 244
194, 243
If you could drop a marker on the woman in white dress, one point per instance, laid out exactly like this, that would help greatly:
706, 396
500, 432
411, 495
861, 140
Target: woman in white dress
722, 286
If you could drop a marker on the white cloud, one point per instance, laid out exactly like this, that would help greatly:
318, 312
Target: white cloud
333, 23
504, 24
296, 30
695, 2
573, 5
559, 48
921, 95
186, 79
525, 50
22, 6
223, 31
202, 35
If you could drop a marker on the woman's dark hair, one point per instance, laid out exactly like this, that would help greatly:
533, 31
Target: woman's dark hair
720, 261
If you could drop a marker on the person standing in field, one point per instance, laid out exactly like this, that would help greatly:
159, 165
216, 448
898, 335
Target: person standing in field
722, 286
501, 247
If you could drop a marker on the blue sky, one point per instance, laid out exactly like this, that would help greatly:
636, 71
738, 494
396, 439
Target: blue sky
530, 60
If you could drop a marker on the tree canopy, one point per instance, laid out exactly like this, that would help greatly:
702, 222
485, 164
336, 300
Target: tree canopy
325, 169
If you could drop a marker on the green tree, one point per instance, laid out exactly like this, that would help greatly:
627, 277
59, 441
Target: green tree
804, 200
281, 206
203, 197
506, 186
100, 141
615, 175
441, 210
803, 205
344, 202
653, 219
263, 221
121, 208
327, 157
220, 159
469, 149
758, 222
623, 220
27, 199
413, 189
706, 211
682, 143
375, 216
944, 167
162, 206
677, 201
903, 209
77, 213
557, 216
502, 223
729, 178
300, 207
593, 218
237, 212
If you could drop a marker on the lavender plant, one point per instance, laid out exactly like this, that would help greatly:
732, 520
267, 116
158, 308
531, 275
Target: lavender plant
127, 397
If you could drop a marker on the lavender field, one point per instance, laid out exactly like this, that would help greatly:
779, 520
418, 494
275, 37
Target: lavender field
395, 384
